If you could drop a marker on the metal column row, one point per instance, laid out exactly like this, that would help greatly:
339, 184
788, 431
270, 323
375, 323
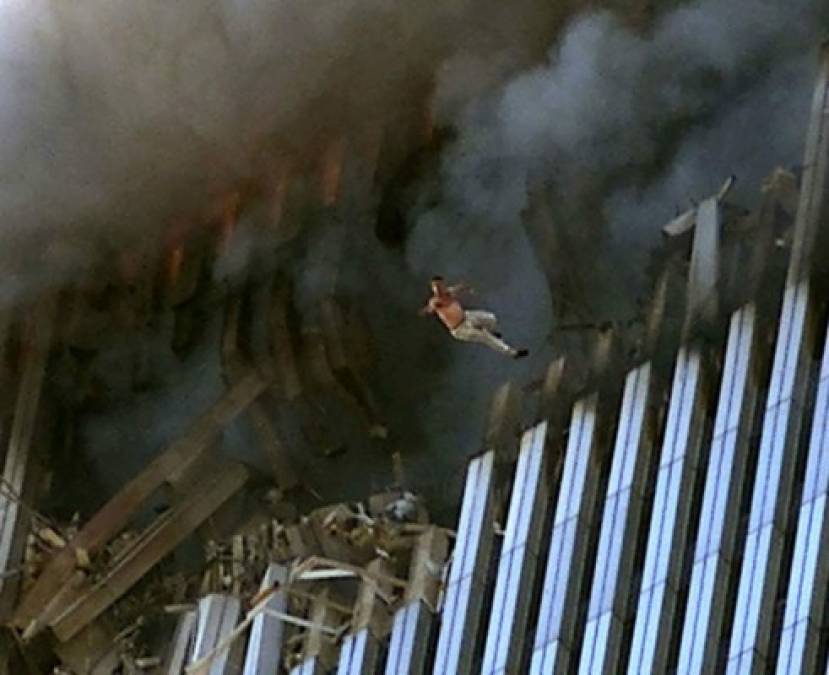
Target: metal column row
807, 592
519, 557
466, 585
751, 631
716, 538
621, 519
780, 450
565, 574
668, 539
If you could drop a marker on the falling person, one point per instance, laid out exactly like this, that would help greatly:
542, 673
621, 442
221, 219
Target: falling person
466, 325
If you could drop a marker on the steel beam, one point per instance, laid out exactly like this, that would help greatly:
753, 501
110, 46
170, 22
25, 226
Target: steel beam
181, 644
409, 640
779, 450
621, 520
565, 575
749, 650
156, 542
317, 647
259, 415
468, 575
668, 542
115, 515
267, 631
807, 592
359, 654
310, 666
17, 467
704, 272
360, 651
519, 556
724, 484
811, 210
216, 618
412, 624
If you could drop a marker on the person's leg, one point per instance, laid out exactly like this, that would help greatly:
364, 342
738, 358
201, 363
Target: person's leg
479, 318
470, 333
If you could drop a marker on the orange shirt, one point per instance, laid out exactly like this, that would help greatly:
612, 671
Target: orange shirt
448, 309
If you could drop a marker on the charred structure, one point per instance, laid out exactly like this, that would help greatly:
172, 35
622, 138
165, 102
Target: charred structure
229, 445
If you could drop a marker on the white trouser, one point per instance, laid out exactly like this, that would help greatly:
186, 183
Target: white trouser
476, 327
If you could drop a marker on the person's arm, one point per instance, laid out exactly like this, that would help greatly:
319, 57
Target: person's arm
428, 309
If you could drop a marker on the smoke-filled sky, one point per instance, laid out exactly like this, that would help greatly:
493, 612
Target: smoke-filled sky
117, 116
625, 127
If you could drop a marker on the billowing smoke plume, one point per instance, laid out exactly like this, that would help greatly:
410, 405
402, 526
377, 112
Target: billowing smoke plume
620, 127
615, 118
117, 116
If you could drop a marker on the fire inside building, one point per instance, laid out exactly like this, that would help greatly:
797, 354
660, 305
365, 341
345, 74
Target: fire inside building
232, 447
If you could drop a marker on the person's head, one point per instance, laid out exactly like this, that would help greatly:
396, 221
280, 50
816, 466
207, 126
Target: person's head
438, 285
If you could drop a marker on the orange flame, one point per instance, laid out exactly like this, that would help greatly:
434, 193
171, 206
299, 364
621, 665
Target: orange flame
332, 166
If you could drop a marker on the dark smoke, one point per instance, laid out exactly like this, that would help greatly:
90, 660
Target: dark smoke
622, 129
612, 115
117, 116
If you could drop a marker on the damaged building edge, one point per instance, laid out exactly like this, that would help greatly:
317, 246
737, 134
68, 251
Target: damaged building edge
365, 587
